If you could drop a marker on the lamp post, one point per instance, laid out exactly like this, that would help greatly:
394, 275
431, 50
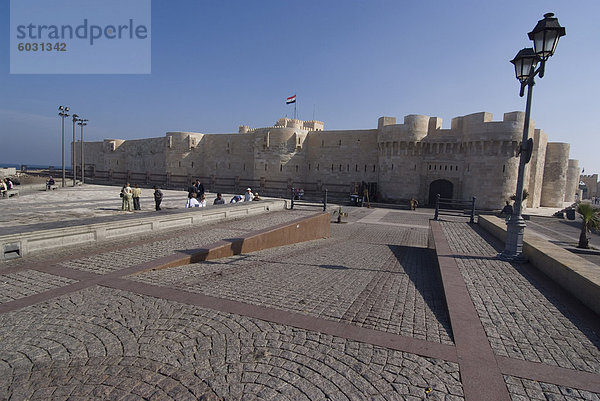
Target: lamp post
545, 37
82, 123
63, 113
75, 119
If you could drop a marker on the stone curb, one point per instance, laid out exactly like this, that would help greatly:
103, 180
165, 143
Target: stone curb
18, 245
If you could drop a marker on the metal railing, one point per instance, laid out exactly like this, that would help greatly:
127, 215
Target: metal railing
308, 202
454, 207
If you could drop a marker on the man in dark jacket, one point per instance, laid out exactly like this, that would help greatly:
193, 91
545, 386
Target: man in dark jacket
157, 197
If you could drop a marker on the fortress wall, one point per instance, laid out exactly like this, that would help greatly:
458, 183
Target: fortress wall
592, 184
572, 185
400, 169
279, 155
93, 153
353, 155
226, 156
414, 129
555, 174
182, 149
536, 169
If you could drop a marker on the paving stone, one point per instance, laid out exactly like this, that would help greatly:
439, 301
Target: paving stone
166, 372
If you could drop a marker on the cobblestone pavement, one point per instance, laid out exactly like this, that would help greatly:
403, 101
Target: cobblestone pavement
521, 320
361, 315
523, 390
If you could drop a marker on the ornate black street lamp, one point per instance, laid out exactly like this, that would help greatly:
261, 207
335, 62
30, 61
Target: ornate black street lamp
545, 37
82, 123
63, 113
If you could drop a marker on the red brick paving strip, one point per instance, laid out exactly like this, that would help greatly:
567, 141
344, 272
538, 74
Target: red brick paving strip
480, 374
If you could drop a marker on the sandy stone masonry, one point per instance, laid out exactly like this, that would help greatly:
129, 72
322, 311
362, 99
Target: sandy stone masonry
418, 158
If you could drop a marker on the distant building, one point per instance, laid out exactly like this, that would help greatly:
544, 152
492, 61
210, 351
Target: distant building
475, 157
591, 187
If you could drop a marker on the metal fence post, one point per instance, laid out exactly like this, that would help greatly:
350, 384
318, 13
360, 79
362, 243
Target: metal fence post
437, 207
325, 201
473, 210
292, 199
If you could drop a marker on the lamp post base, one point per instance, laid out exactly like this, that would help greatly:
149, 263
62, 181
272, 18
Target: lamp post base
515, 231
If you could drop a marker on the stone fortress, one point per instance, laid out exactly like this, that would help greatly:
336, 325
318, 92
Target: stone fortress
475, 157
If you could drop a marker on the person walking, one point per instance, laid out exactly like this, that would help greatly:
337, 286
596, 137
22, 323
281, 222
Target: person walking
136, 194
158, 195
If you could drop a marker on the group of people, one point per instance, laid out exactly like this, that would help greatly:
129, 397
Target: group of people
131, 197
5, 186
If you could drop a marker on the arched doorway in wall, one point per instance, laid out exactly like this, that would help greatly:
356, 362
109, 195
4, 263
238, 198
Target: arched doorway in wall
443, 187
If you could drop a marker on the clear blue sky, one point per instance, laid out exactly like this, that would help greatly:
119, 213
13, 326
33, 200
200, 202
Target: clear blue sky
217, 65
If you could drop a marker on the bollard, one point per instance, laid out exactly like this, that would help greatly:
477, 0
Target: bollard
473, 210
325, 201
437, 207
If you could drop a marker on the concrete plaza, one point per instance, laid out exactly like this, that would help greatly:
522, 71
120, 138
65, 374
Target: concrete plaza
371, 313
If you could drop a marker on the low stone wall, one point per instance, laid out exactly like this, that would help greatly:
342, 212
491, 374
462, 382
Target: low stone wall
17, 245
304, 229
576, 275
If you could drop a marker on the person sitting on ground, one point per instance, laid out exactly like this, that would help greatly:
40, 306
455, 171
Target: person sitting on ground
192, 202
219, 200
236, 199
248, 195
49, 183
507, 211
256, 197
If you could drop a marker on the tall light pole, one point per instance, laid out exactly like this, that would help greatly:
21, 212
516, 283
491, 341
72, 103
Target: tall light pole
82, 123
63, 113
545, 37
75, 119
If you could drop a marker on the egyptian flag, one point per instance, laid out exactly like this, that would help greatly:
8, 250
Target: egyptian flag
291, 99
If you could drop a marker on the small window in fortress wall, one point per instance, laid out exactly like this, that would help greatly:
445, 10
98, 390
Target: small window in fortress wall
340, 143
356, 167
281, 167
192, 164
332, 167
365, 168
296, 168
308, 166
347, 167
317, 167
373, 168
446, 167
229, 166
340, 167
430, 167
504, 168
265, 166
392, 166
244, 166
456, 168
323, 143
